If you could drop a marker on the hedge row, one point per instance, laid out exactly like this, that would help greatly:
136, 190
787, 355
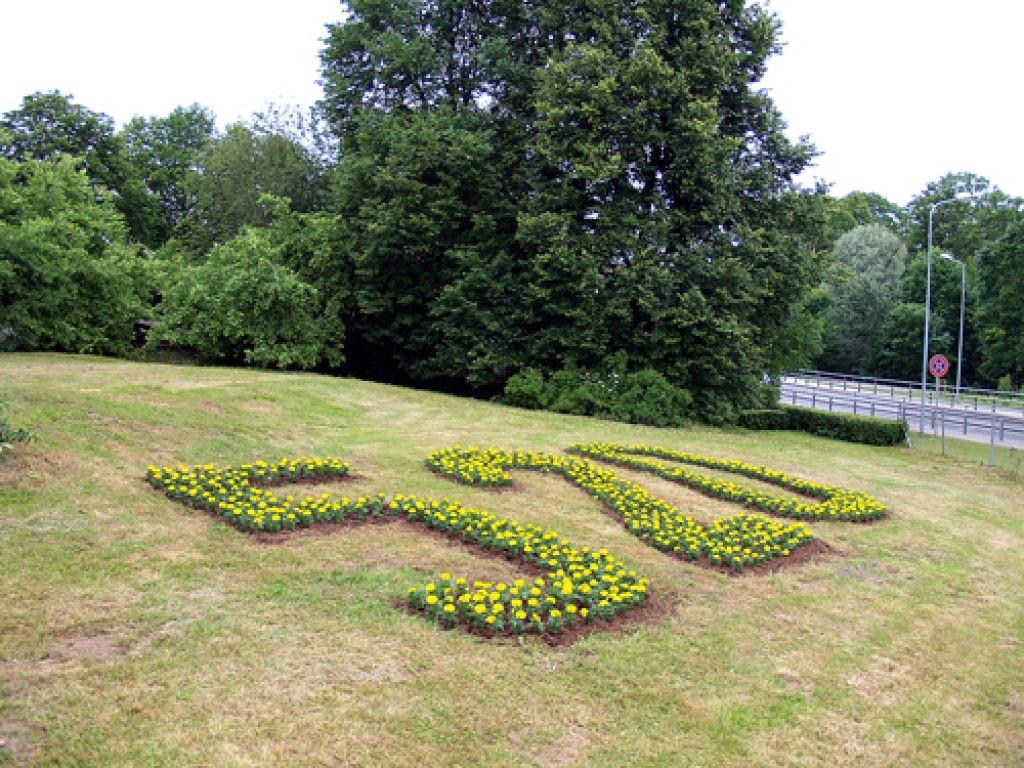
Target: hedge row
838, 426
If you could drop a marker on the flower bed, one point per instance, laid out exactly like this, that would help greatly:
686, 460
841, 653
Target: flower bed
580, 584
736, 542
838, 504
571, 586
235, 494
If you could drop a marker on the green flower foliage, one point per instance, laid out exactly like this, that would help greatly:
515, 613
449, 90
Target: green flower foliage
738, 541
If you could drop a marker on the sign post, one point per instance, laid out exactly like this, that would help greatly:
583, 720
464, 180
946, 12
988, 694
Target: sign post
939, 367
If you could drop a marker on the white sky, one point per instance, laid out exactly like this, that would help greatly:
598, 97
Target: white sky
895, 93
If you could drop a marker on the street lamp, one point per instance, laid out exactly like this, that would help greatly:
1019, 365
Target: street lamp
963, 307
928, 298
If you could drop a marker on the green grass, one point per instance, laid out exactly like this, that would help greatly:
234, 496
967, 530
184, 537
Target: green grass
136, 633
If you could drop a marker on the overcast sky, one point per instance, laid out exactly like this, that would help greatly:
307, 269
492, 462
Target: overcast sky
894, 93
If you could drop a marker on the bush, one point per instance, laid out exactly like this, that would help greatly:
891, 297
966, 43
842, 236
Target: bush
244, 305
67, 282
838, 426
526, 390
768, 395
647, 397
764, 419
642, 397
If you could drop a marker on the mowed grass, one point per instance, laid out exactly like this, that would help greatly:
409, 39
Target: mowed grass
135, 633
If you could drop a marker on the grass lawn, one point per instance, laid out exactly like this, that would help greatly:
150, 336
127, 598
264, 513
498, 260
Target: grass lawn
134, 632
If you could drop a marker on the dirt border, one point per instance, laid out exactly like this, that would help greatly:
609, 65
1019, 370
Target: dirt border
654, 610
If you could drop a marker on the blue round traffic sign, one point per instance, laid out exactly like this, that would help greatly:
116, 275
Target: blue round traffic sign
939, 366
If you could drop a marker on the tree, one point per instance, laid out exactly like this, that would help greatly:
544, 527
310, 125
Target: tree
236, 171
49, 126
67, 282
962, 228
163, 152
613, 181
859, 209
244, 305
1001, 269
901, 341
864, 282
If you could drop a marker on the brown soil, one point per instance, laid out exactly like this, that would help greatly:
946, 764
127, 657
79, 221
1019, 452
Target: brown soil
652, 612
15, 741
95, 647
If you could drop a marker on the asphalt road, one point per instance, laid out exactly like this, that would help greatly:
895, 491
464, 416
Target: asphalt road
961, 422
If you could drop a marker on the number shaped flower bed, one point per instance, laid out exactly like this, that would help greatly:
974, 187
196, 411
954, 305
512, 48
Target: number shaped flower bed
568, 584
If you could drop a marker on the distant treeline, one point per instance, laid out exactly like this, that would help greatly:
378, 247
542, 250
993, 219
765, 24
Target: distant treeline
597, 196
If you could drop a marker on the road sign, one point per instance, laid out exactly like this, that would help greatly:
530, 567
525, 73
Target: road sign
939, 366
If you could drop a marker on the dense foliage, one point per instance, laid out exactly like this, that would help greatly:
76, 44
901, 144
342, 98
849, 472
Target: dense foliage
243, 305
873, 329
537, 186
67, 281
588, 208
642, 397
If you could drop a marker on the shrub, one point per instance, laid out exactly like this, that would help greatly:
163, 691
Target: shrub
764, 419
768, 395
67, 282
838, 426
847, 427
642, 397
526, 390
244, 305
647, 397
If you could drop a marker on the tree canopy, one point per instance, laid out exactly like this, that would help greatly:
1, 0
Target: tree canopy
547, 185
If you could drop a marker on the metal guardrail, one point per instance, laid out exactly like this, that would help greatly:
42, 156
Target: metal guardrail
852, 377
939, 419
970, 397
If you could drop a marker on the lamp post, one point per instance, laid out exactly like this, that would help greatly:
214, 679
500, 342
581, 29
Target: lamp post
963, 307
928, 298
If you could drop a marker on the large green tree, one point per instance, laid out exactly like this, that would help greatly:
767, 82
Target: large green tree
546, 185
963, 228
163, 153
235, 171
1001, 268
67, 281
49, 126
864, 281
